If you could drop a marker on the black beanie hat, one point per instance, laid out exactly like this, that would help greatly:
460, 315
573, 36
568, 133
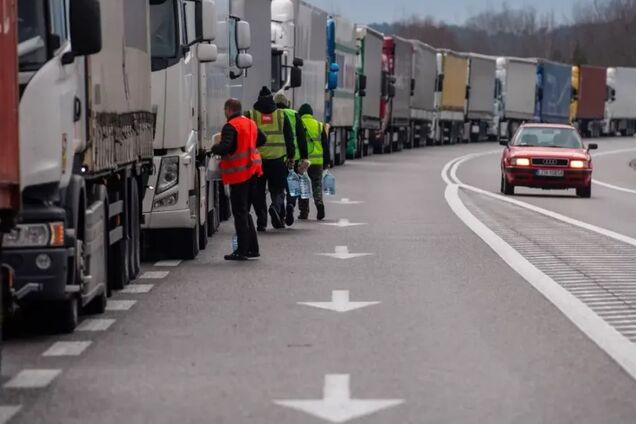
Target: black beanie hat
305, 109
265, 92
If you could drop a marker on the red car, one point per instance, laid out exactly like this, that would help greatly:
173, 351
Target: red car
547, 156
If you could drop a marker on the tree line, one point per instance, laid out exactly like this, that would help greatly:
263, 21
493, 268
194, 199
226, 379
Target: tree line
599, 32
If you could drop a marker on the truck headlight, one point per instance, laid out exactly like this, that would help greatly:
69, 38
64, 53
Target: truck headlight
35, 235
168, 174
167, 201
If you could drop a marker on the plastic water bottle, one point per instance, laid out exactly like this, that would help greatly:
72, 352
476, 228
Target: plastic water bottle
328, 183
293, 184
234, 243
305, 186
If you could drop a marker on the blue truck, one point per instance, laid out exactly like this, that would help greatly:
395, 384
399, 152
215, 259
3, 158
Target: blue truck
554, 92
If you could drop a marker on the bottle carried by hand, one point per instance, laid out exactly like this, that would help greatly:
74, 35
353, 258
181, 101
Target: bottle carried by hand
328, 183
293, 183
305, 186
234, 243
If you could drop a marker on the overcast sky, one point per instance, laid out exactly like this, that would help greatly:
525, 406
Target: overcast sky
451, 11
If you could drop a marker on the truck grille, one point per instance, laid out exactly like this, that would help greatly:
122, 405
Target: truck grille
550, 162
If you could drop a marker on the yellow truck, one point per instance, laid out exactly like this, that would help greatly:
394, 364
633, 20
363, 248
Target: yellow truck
450, 97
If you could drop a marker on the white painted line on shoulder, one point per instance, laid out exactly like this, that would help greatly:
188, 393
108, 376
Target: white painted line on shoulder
342, 252
154, 275
32, 379
620, 348
95, 324
340, 302
67, 348
337, 406
168, 263
614, 187
346, 201
343, 223
7, 412
137, 288
120, 305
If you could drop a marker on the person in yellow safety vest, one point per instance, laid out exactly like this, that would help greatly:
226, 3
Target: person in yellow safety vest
300, 141
277, 154
318, 151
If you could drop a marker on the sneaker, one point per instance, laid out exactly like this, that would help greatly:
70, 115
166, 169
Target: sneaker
289, 216
276, 221
304, 215
235, 257
321, 212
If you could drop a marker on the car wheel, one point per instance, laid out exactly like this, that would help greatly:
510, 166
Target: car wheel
506, 188
584, 192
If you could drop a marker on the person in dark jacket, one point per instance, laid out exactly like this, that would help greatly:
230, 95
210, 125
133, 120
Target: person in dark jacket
318, 150
300, 141
240, 167
277, 152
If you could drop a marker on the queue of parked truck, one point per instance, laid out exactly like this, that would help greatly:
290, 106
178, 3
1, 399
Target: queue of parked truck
120, 101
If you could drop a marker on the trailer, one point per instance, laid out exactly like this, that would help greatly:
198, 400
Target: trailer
424, 63
589, 92
515, 94
368, 88
554, 92
450, 97
9, 146
480, 98
620, 109
85, 153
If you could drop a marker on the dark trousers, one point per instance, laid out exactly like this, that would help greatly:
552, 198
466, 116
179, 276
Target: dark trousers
241, 199
315, 174
275, 179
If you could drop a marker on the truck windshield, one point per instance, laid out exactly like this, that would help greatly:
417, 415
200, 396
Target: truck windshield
31, 34
163, 30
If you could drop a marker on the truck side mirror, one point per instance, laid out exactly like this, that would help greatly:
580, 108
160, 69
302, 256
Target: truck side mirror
332, 80
86, 27
207, 20
244, 61
243, 35
298, 62
206, 53
295, 77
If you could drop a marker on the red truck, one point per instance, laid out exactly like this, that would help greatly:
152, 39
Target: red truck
589, 92
9, 149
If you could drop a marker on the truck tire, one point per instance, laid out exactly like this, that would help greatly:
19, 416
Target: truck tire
67, 315
135, 231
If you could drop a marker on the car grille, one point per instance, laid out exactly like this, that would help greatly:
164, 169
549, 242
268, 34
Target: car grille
550, 162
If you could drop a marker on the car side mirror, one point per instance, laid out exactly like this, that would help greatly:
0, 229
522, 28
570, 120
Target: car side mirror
86, 27
503, 142
592, 146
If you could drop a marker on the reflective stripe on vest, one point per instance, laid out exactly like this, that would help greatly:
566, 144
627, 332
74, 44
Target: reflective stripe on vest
245, 162
292, 115
314, 130
272, 126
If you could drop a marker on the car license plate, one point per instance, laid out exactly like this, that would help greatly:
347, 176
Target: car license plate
550, 173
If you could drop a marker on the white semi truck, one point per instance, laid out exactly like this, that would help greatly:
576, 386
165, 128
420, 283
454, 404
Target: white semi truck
85, 153
424, 63
480, 97
620, 108
516, 94
198, 50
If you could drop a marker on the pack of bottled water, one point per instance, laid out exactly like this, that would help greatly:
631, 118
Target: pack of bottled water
293, 183
235, 243
328, 183
305, 186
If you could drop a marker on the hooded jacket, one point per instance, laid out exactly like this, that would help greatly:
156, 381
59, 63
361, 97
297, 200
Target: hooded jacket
265, 104
324, 138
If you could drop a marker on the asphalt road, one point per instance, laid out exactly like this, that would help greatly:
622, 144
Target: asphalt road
458, 335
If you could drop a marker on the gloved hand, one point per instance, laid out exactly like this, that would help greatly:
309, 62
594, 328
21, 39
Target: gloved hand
290, 163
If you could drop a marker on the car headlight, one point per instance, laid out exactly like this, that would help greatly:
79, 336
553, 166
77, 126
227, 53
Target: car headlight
520, 162
168, 174
35, 235
578, 164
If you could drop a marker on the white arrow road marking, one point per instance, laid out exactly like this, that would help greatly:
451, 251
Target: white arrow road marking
346, 201
344, 222
32, 379
8, 412
337, 405
342, 252
340, 302
67, 349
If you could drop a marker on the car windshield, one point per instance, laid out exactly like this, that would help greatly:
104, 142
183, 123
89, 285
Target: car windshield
548, 137
31, 34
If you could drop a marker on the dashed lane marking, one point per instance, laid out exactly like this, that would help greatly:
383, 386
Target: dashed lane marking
154, 275
120, 305
33, 379
67, 348
8, 412
95, 324
168, 263
137, 288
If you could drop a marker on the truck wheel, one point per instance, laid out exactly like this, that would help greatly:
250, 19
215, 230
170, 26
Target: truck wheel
67, 315
135, 231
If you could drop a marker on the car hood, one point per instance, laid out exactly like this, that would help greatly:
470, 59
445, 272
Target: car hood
546, 152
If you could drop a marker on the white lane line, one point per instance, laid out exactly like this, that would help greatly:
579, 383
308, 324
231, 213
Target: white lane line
32, 379
620, 348
614, 187
340, 302
95, 324
154, 275
120, 305
8, 412
67, 348
168, 263
137, 288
